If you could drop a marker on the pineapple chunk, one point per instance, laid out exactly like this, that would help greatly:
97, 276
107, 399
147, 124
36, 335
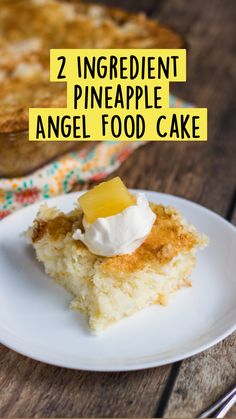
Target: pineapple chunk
106, 199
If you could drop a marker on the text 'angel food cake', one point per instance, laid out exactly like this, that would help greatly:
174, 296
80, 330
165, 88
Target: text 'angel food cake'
116, 253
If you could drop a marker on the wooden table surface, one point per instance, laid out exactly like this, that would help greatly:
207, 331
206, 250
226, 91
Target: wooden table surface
204, 173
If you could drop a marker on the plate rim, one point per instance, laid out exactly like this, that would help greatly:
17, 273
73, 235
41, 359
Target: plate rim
6, 337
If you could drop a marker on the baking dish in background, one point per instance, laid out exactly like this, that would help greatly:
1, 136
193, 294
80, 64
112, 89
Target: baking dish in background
28, 30
19, 156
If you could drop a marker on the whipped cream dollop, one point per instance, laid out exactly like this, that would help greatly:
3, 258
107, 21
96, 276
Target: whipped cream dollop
118, 234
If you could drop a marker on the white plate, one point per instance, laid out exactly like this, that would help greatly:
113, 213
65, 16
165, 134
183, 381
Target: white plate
35, 319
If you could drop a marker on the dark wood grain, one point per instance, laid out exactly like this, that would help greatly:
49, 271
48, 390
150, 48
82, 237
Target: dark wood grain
202, 379
33, 389
204, 173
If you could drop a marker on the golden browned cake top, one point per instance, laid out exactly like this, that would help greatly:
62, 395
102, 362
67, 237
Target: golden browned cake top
57, 227
166, 240
28, 29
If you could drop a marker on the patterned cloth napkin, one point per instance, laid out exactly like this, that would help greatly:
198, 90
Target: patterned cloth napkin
59, 176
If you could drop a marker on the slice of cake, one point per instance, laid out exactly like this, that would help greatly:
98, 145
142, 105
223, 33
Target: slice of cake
115, 265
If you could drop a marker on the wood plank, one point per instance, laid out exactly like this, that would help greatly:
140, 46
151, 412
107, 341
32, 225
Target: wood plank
202, 379
32, 389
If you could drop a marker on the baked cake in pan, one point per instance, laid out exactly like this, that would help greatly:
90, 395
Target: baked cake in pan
28, 29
